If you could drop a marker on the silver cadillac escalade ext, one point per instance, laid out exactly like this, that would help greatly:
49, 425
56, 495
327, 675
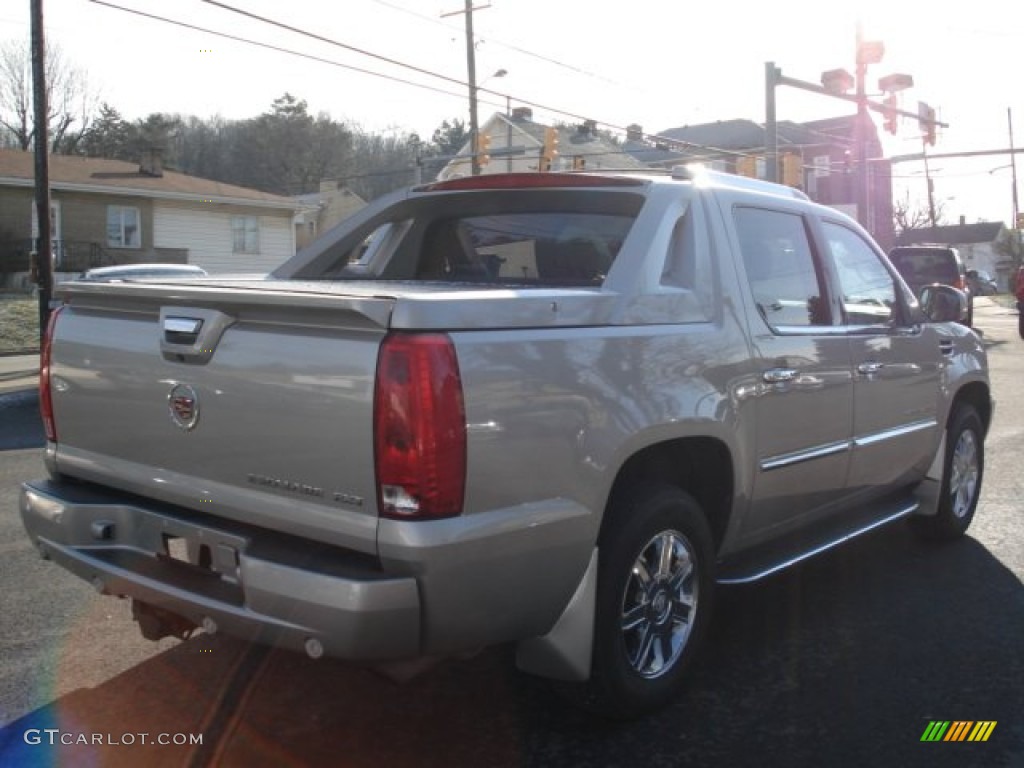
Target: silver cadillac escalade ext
553, 410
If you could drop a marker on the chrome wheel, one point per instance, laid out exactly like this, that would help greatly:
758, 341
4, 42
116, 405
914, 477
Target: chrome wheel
659, 604
965, 473
962, 471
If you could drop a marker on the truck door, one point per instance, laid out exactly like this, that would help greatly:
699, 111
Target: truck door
896, 367
805, 393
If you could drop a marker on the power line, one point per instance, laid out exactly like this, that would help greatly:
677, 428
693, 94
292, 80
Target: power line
281, 49
321, 38
501, 43
336, 43
676, 143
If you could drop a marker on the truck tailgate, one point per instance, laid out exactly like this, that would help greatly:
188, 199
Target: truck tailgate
250, 403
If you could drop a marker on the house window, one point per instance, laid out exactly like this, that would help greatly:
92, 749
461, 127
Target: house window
124, 227
245, 234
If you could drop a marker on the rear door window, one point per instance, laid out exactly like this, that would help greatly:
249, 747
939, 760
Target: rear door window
783, 275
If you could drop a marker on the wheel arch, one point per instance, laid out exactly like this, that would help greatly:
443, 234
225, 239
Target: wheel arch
701, 466
977, 395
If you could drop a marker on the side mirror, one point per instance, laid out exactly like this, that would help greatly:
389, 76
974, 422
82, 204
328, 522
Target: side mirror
944, 303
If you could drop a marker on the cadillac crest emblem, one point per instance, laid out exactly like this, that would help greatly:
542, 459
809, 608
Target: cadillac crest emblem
183, 403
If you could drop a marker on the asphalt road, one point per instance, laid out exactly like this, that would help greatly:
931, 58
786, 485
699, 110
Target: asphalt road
841, 662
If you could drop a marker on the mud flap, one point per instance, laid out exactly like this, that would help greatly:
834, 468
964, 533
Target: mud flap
565, 652
927, 492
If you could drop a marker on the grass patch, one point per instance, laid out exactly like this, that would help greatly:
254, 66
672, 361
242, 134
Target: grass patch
19, 323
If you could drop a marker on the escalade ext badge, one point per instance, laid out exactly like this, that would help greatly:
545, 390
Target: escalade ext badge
183, 403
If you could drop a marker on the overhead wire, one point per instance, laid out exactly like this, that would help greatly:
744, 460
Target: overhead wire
281, 49
395, 62
658, 139
503, 44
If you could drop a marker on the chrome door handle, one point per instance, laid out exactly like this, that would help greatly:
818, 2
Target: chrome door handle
779, 375
869, 369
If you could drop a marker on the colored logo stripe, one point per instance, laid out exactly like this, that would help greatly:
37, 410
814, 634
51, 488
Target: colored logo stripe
958, 730
982, 730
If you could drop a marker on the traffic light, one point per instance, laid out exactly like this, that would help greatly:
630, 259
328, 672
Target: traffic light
926, 121
550, 150
892, 118
793, 171
1020, 220
483, 149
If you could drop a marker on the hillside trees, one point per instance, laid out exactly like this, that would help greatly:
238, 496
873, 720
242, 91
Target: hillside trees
286, 150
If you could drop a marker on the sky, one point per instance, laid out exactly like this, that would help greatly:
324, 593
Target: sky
656, 63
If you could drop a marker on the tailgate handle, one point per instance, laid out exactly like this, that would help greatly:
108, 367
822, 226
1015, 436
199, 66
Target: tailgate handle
190, 335
182, 330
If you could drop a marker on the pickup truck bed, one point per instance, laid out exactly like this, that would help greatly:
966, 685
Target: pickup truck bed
544, 409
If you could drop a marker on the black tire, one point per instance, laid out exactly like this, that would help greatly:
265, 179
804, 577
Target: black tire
655, 565
962, 471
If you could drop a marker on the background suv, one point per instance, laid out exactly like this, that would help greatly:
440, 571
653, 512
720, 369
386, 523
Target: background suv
922, 265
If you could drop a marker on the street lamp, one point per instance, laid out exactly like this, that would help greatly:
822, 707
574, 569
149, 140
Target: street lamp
501, 72
498, 73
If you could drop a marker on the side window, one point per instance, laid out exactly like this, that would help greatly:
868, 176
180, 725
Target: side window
783, 278
688, 268
868, 290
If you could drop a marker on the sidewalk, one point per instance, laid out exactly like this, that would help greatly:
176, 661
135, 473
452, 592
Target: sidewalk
18, 373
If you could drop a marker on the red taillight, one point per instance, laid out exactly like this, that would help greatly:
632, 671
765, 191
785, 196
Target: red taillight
45, 399
419, 428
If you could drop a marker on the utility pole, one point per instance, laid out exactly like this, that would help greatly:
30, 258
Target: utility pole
474, 121
1013, 167
44, 250
861, 131
771, 126
931, 186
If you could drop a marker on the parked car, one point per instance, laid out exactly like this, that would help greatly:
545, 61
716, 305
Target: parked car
132, 271
922, 265
982, 283
542, 409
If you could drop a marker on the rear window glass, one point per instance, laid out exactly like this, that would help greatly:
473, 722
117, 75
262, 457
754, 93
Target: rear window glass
523, 248
920, 267
542, 238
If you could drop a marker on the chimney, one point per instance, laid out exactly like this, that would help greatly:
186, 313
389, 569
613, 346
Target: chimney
963, 220
152, 162
522, 113
634, 132
587, 128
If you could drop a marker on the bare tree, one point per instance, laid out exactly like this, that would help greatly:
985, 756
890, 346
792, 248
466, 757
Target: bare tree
907, 215
71, 104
